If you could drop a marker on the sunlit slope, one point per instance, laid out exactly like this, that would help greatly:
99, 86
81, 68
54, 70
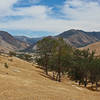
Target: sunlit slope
23, 81
94, 47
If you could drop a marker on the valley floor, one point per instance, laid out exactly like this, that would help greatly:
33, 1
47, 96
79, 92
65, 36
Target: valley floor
23, 81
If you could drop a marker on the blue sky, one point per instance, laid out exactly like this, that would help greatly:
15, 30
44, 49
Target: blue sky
36, 18
24, 3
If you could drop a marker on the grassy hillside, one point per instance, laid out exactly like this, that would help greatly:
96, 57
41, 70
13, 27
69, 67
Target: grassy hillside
93, 47
24, 81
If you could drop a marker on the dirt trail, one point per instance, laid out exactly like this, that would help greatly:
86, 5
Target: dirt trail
22, 81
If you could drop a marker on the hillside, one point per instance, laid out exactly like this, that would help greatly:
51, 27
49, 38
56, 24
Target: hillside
23, 81
94, 47
9, 43
79, 38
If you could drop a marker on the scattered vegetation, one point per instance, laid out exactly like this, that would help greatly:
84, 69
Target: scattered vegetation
80, 65
11, 53
26, 57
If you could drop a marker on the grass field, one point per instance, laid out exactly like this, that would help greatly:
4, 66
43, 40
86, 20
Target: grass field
24, 81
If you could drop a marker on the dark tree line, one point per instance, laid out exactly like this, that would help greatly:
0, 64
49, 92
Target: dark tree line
56, 56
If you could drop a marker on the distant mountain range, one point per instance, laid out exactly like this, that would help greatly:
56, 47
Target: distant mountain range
76, 38
28, 40
31, 41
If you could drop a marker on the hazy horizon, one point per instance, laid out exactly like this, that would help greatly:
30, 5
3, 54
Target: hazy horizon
31, 35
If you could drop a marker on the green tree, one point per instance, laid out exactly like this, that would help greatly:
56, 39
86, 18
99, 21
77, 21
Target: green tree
80, 70
44, 49
60, 56
95, 71
11, 53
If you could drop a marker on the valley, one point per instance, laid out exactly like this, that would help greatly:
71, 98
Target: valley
22, 80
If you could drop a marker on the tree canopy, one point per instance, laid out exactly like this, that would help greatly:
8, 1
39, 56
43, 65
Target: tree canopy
56, 56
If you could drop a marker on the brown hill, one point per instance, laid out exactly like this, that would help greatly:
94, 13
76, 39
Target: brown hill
79, 38
9, 43
93, 47
23, 81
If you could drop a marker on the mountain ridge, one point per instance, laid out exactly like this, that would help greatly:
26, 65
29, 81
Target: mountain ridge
76, 38
79, 38
9, 43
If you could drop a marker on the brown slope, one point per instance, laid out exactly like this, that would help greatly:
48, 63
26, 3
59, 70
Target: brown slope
9, 43
93, 47
22, 81
78, 38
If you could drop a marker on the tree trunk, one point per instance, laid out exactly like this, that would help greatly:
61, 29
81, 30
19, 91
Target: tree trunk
79, 83
92, 85
57, 77
59, 64
46, 69
54, 75
46, 66
85, 82
59, 73
96, 85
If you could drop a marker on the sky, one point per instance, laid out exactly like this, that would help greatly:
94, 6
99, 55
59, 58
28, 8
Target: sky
36, 18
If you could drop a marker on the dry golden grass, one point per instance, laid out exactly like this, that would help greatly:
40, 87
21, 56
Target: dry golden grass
93, 47
22, 81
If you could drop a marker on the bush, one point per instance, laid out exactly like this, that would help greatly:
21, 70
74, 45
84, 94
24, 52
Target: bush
12, 54
27, 57
10, 60
6, 65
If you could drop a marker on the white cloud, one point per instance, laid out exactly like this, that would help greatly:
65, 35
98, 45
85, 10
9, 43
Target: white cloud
34, 11
82, 10
6, 4
6, 7
51, 25
83, 15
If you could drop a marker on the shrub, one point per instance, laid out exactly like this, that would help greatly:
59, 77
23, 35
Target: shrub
6, 65
12, 54
10, 60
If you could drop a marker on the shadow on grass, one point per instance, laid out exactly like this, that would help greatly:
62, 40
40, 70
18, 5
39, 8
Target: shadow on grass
93, 88
47, 76
39, 67
42, 73
89, 87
